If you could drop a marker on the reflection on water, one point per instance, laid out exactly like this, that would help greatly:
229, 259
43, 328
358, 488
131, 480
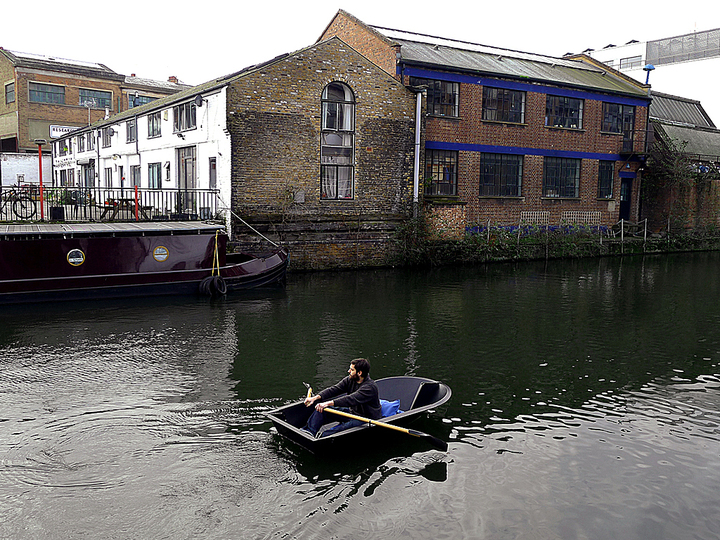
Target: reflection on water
586, 404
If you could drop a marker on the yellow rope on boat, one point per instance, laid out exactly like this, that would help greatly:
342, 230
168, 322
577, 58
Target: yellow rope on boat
216, 256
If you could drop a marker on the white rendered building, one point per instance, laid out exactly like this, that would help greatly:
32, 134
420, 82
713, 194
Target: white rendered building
686, 65
174, 144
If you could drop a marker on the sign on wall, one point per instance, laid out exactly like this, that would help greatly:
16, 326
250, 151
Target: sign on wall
59, 131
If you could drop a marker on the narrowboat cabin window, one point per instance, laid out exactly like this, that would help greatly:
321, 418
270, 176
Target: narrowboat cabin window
337, 143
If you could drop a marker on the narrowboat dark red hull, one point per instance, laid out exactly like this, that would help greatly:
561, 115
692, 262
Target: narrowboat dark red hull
79, 261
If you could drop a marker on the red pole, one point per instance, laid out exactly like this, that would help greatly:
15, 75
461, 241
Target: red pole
42, 205
137, 218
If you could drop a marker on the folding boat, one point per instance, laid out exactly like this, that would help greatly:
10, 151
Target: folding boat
417, 395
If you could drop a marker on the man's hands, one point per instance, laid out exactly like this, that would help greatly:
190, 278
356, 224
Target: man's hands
320, 407
311, 399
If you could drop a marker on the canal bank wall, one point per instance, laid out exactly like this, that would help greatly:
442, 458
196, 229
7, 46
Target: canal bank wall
327, 244
422, 249
373, 243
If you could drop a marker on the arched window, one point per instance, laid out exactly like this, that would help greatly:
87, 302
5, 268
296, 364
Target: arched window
337, 144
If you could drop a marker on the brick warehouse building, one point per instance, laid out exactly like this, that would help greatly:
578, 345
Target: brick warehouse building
44, 97
514, 137
315, 149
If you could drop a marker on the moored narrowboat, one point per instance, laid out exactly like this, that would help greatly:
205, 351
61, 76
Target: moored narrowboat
41, 262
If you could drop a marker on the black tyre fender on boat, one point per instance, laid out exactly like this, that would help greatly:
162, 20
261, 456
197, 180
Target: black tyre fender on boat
213, 286
220, 286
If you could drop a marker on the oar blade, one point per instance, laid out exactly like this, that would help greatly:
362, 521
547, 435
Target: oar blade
437, 443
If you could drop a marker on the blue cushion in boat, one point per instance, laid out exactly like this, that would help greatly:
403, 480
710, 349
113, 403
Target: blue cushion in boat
389, 407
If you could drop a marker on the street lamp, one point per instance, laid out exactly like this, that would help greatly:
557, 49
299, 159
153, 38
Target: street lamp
40, 143
648, 68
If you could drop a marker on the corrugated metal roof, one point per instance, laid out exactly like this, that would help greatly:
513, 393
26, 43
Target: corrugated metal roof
679, 110
700, 142
446, 54
62, 65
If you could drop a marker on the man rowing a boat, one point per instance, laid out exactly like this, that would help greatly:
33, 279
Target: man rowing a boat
357, 393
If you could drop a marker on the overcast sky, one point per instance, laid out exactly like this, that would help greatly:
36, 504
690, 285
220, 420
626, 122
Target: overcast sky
199, 40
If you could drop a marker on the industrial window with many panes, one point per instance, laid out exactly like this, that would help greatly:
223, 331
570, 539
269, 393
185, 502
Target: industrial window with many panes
46, 93
561, 177
500, 175
442, 96
441, 172
503, 105
606, 173
564, 112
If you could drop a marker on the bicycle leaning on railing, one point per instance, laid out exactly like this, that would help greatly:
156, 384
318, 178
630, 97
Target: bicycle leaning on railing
22, 204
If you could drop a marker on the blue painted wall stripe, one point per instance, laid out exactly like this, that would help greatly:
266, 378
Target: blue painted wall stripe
518, 150
526, 87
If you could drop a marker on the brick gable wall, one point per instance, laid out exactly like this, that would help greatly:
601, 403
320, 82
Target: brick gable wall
363, 39
274, 118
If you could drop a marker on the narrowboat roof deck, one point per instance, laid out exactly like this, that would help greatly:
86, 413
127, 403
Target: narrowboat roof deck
10, 231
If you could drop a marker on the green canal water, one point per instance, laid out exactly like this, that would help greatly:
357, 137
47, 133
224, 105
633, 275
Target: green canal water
586, 405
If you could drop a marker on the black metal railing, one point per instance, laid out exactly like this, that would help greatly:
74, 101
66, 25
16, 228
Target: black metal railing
104, 204
637, 141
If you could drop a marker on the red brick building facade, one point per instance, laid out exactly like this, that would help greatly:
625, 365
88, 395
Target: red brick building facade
514, 137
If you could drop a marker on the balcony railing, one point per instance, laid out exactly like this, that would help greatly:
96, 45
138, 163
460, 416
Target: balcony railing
636, 141
103, 204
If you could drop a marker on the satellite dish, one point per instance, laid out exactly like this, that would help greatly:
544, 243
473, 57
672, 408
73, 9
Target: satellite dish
198, 100
111, 132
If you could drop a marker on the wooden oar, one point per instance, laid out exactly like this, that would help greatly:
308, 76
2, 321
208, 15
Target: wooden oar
437, 443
